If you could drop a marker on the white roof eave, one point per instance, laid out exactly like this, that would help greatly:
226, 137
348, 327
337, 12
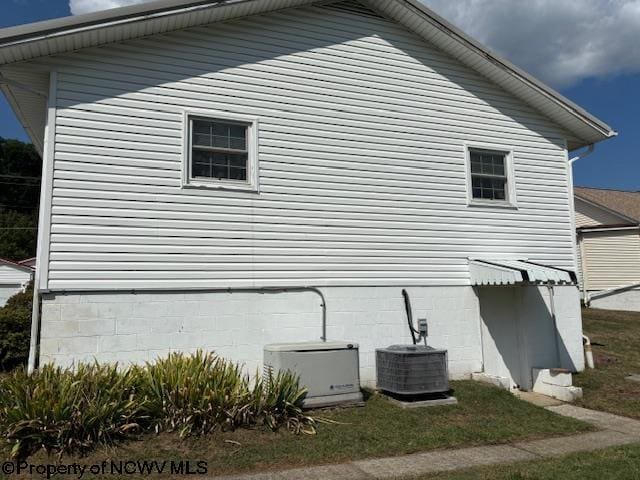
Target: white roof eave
52, 37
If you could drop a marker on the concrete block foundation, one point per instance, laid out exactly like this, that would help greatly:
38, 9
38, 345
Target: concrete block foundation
137, 327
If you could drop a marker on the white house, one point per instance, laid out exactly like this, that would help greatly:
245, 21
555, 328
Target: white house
14, 278
216, 173
608, 236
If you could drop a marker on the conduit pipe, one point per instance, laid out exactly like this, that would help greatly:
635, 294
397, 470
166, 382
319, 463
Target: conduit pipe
36, 323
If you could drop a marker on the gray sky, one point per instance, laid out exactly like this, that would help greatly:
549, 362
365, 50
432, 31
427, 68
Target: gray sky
559, 41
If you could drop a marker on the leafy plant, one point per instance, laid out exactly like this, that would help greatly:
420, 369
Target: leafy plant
277, 401
65, 410
192, 394
15, 330
71, 410
199, 393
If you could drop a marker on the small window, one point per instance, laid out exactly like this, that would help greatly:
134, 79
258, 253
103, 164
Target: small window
221, 152
489, 176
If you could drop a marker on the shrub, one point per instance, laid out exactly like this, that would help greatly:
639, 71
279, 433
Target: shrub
192, 394
278, 401
15, 330
65, 411
199, 393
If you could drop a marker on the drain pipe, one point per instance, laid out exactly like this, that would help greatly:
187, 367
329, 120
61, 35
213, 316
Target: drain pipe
588, 353
36, 323
34, 343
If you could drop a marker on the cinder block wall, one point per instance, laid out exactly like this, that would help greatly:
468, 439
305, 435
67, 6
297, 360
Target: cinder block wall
133, 328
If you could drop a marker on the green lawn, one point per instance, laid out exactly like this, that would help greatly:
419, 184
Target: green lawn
606, 388
485, 415
621, 463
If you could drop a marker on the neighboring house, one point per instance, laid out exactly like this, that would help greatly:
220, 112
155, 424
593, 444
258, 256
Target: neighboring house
608, 237
212, 168
29, 262
14, 278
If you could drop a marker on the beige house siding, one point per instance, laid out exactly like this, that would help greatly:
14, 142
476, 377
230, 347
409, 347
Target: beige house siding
611, 259
589, 215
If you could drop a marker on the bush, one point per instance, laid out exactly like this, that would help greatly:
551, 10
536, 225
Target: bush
66, 411
199, 393
15, 330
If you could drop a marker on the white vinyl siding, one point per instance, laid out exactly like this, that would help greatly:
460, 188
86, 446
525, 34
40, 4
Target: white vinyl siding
12, 281
612, 259
362, 140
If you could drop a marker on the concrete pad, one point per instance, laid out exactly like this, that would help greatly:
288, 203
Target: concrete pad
602, 420
328, 472
442, 461
552, 447
436, 402
538, 399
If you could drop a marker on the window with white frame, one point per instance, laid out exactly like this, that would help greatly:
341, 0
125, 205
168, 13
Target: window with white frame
489, 175
221, 152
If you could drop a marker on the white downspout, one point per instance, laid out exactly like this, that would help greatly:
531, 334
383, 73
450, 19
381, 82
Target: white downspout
572, 206
588, 352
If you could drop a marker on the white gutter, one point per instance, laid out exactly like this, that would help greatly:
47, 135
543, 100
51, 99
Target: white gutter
589, 151
126, 19
609, 229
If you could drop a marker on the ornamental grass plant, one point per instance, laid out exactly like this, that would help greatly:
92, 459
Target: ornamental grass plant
71, 410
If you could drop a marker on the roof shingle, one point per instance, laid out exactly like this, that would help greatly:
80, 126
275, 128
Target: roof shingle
620, 201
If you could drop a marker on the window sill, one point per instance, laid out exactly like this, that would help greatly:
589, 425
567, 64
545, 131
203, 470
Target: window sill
492, 204
200, 185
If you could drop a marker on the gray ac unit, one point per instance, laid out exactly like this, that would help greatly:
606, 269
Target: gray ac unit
412, 370
329, 370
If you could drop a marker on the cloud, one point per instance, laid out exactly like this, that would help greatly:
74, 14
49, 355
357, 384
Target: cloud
78, 7
559, 41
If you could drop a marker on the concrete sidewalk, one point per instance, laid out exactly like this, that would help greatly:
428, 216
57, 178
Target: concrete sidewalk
615, 431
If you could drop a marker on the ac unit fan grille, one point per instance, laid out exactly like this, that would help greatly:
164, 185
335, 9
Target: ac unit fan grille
412, 373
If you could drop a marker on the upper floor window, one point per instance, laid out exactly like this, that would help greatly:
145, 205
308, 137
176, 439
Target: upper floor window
221, 152
489, 176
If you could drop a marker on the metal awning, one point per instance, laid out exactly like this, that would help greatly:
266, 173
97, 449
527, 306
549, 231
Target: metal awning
517, 272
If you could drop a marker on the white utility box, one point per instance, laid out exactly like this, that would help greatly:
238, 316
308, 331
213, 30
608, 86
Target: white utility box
329, 370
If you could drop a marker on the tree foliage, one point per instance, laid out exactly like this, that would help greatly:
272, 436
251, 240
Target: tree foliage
20, 170
15, 330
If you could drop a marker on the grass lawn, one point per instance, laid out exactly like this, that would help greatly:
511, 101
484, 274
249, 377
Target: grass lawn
606, 388
621, 463
485, 415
